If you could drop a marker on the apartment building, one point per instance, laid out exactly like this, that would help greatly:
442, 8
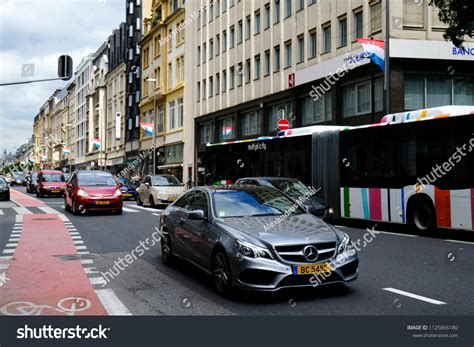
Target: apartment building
162, 102
115, 81
70, 125
255, 62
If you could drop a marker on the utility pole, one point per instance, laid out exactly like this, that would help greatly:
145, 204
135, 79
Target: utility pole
387, 57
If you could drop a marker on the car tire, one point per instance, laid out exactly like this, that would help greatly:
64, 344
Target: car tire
221, 274
139, 201
166, 249
152, 201
119, 211
422, 215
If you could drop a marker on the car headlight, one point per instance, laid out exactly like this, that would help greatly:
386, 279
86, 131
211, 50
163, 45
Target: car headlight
118, 193
82, 193
253, 251
345, 245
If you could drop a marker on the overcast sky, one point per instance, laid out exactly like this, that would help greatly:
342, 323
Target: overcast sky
38, 32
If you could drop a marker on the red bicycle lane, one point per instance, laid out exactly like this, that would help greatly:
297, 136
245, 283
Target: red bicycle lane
39, 281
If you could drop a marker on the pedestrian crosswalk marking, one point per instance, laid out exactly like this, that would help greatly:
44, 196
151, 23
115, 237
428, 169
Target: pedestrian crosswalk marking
22, 210
128, 209
1, 213
48, 210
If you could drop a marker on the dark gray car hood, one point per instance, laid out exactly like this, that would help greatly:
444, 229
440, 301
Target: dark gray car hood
295, 229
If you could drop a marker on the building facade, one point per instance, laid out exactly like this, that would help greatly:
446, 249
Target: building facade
255, 62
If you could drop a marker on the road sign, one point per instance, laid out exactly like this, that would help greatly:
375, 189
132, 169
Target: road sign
291, 80
283, 124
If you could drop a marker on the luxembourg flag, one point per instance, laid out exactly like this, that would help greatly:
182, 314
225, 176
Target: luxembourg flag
376, 49
147, 128
66, 151
96, 143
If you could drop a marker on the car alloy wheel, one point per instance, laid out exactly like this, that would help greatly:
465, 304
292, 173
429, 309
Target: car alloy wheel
166, 254
221, 273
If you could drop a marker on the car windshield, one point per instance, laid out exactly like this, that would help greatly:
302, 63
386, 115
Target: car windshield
293, 188
268, 202
19, 175
2, 183
165, 181
53, 177
96, 179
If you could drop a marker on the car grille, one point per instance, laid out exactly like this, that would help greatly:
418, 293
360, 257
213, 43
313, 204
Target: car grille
294, 253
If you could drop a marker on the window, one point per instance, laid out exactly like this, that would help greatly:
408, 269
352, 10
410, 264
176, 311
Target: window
211, 49
299, 5
311, 2
413, 14
288, 60
251, 123
248, 71
218, 8
376, 17
199, 55
204, 89
232, 78
313, 48
267, 63
218, 44
436, 22
326, 39
241, 74
211, 11
358, 25
211, 87
204, 52
241, 32
356, 98
267, 16
257, 67
278, 112
342, 32
224, 81
276, 12
198, 91
161, 119
172, 115
300, 49
232, 36
218, 83
257, 23
180, 108
170, 75
288, 8
316, 110
205, 134
248, 28
276, 59
174, 155
226, 129
224, 41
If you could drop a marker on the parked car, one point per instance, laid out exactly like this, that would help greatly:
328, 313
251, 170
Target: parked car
32, 182
18, 178
4, 189
50, 183
159, 190
8, 178
295, 189
93, 191
129, 190
253, 237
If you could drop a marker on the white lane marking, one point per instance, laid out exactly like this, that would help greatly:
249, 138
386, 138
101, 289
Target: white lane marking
157, 214
87, 261
389, 233
96, 280
415, 296
458, 241
22, 210
19, 218
72, 230
112, 303
83, 252
13, 244
63, 217
73, 233
78, 242
48, 210
81, 247
91, 270
8, 251
4, 266
149, 209
6, 258
16, 231
1, 213
129, 210
76, 237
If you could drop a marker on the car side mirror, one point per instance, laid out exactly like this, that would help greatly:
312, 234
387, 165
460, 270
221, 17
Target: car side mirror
197, 215
147, 185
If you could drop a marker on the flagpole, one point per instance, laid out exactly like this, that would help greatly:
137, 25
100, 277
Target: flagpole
387, 57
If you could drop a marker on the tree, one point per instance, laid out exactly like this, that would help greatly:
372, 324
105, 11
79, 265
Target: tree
458, 15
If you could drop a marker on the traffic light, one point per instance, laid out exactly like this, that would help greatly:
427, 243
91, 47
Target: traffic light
65, 67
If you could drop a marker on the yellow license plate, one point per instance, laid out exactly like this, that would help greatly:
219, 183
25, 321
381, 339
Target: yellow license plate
172, 198
56, 191
127, 195
102, 202
312, 269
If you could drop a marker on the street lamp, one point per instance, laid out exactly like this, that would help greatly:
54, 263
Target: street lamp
154, 80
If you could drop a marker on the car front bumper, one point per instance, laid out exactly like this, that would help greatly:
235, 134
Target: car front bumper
99, 204
271, 275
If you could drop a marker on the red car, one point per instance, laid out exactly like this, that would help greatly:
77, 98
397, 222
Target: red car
92, 191
50, 182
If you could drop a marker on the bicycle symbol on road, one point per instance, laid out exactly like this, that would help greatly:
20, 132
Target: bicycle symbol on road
68, 306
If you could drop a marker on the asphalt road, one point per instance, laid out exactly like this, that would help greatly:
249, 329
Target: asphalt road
399, 273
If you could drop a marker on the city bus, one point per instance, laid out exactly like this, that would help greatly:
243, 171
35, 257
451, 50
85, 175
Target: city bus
413, 168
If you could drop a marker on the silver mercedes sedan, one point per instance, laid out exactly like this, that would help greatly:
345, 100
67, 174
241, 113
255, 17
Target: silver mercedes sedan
254, 237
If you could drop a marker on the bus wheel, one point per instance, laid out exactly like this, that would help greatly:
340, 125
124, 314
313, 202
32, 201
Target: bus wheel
423, 216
